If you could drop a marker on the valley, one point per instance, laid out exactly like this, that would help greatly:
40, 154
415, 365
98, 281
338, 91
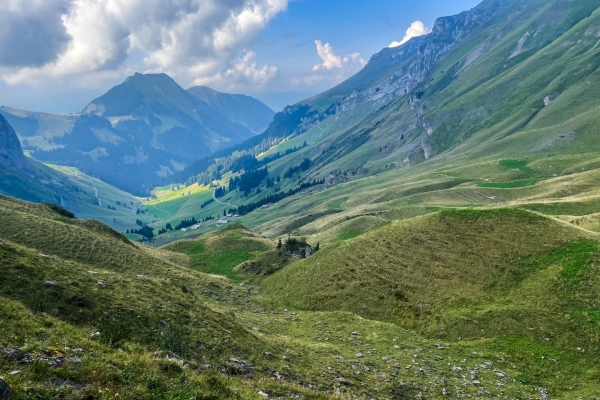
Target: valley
428, 228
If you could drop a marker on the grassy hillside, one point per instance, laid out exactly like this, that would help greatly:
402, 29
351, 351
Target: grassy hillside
221, 251
505, 279
494, 107
498, 294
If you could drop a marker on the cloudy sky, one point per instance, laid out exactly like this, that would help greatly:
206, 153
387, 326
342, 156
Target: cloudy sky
58, 55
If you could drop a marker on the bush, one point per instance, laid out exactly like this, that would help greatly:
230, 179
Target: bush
173, 338
60, 210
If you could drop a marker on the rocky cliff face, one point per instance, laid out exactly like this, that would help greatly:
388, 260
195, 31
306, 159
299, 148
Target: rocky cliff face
11, 154
415, 59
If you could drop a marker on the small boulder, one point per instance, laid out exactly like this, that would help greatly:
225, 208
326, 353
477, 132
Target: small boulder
50, 283
344, 381
263, 394
359, 355
5, 390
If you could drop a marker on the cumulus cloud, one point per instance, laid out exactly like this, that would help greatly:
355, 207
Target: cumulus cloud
191, 39
245, 72
329, 56
334, 67
417, 28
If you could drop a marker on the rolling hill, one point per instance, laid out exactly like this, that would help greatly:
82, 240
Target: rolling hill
86, 312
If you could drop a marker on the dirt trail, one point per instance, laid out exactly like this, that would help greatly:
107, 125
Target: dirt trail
220, 202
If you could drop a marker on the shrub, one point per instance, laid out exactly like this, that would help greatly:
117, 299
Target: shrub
60, 210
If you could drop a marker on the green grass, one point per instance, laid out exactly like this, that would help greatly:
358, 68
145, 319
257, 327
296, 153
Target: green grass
347, 236
501, 279
515, 164
220, 252
508, 185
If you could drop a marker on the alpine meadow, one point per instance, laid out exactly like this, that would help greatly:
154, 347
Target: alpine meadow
425, 224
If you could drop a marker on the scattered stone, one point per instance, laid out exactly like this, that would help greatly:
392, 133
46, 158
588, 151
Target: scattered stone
50, 283
95, 334
9, 353
396, 346
14, 372
456, 369
279, 376
500, 375
5, 390
255, 329
544, 393
439, 358
76, 386
92, 272
142, 276
344, 381
263, 394
359, 355
476, 383
238, 367
53, 358
102, 285
384, 358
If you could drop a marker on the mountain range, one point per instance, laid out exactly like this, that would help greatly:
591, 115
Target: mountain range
427, 229
144, 129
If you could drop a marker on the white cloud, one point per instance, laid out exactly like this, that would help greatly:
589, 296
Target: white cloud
334, 68
329, 56
417, 28
245, 72
191, 39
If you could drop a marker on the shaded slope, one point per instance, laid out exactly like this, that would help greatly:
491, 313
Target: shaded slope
241, 109
30, 180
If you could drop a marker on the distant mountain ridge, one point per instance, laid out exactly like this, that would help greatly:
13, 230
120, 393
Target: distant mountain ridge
30, 180
144, 129
239, 108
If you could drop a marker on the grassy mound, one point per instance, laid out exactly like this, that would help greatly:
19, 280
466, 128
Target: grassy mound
221, 251
524, 284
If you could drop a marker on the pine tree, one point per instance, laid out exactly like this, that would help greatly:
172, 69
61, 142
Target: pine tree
279, 244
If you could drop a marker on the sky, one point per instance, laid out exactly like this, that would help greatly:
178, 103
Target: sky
58, 55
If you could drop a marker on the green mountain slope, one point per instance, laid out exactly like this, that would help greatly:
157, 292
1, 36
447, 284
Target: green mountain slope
495, 107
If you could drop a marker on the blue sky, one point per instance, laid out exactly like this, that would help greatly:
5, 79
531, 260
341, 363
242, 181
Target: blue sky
58, 55
350, 26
